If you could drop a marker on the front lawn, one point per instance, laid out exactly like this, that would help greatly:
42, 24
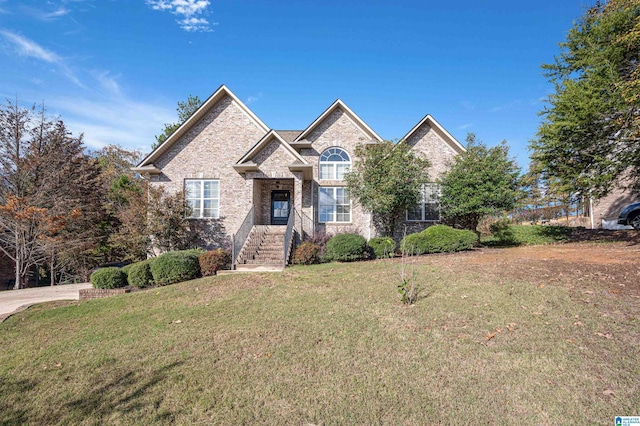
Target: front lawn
508, 336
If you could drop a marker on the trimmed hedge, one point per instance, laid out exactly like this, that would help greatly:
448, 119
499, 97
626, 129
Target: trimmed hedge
140, 275
126, 268
346, 248
176, 266
382, 246
306, 253
213, 261
439, 239
110, 277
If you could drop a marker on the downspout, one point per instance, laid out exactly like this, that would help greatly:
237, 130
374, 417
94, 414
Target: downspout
591, 212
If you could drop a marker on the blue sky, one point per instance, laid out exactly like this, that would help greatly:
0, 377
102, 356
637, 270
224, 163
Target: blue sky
115, 69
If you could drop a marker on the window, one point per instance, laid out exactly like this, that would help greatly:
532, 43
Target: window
203, 196
334, 205
334, 163
428, 210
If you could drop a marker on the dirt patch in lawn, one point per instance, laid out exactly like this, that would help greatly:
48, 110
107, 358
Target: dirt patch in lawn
609, 265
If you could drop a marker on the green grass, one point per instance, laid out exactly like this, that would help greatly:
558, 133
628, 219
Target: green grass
517, 235
327, 344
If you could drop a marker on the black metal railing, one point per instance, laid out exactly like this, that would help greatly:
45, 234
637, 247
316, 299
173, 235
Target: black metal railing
289, 234
238, 239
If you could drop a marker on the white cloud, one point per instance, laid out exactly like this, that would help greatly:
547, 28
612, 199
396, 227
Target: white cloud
49, 16
465, 126
29, 48
189, 10
112, 120
107, 81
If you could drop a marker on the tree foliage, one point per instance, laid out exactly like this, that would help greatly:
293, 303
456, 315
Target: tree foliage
49, 193
185, 110
591, 130
481, 181
386, 181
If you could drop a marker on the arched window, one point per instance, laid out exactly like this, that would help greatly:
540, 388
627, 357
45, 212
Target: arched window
334, 163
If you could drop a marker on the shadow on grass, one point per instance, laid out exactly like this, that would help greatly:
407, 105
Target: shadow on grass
519, 235
11, 404
122, 393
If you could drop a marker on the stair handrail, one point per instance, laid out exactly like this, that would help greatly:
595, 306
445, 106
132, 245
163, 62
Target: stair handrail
238, 239
287, 237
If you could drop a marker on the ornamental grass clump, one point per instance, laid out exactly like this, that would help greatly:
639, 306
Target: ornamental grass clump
176, 266
111, 277
346, 248
439, 239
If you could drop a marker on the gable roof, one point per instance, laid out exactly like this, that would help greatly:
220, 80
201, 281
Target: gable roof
289, 135
195, 117
432, 123
246, 164
352, 115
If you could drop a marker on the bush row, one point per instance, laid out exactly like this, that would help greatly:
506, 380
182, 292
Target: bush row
351, 247
168, 268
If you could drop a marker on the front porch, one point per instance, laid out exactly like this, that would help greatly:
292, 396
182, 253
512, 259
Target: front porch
272, 227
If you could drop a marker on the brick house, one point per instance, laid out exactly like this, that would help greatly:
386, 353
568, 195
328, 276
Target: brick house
259, 187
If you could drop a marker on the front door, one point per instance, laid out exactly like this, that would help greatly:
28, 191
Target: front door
280, 207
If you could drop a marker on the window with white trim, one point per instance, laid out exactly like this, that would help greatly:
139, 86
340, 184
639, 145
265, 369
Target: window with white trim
334, 163
334, 204
428, 210
203, 196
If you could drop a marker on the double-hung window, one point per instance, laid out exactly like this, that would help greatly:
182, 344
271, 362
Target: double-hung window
428, 209
334, 163
334, 205
203, 196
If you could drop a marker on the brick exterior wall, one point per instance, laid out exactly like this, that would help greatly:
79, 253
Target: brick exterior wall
607, 209
99, 293
336, 130
210, 148
208, 151
430, 144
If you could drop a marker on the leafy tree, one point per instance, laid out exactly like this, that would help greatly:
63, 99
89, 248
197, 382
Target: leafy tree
387, 180
49, 196
185, 110
590, 134
481, 181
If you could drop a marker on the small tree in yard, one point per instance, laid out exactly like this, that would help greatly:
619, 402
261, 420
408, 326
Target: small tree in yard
481, 181
386, 181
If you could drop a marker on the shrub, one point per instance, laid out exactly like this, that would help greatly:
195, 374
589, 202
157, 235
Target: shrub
213, 261
126, 268
140, 274
111, 277
502, 231
382, 246
321, 238
439, 239
346, 248
176, 266
306, 253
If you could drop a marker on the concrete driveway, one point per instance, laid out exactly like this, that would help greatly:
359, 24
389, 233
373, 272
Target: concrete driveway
16, 300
